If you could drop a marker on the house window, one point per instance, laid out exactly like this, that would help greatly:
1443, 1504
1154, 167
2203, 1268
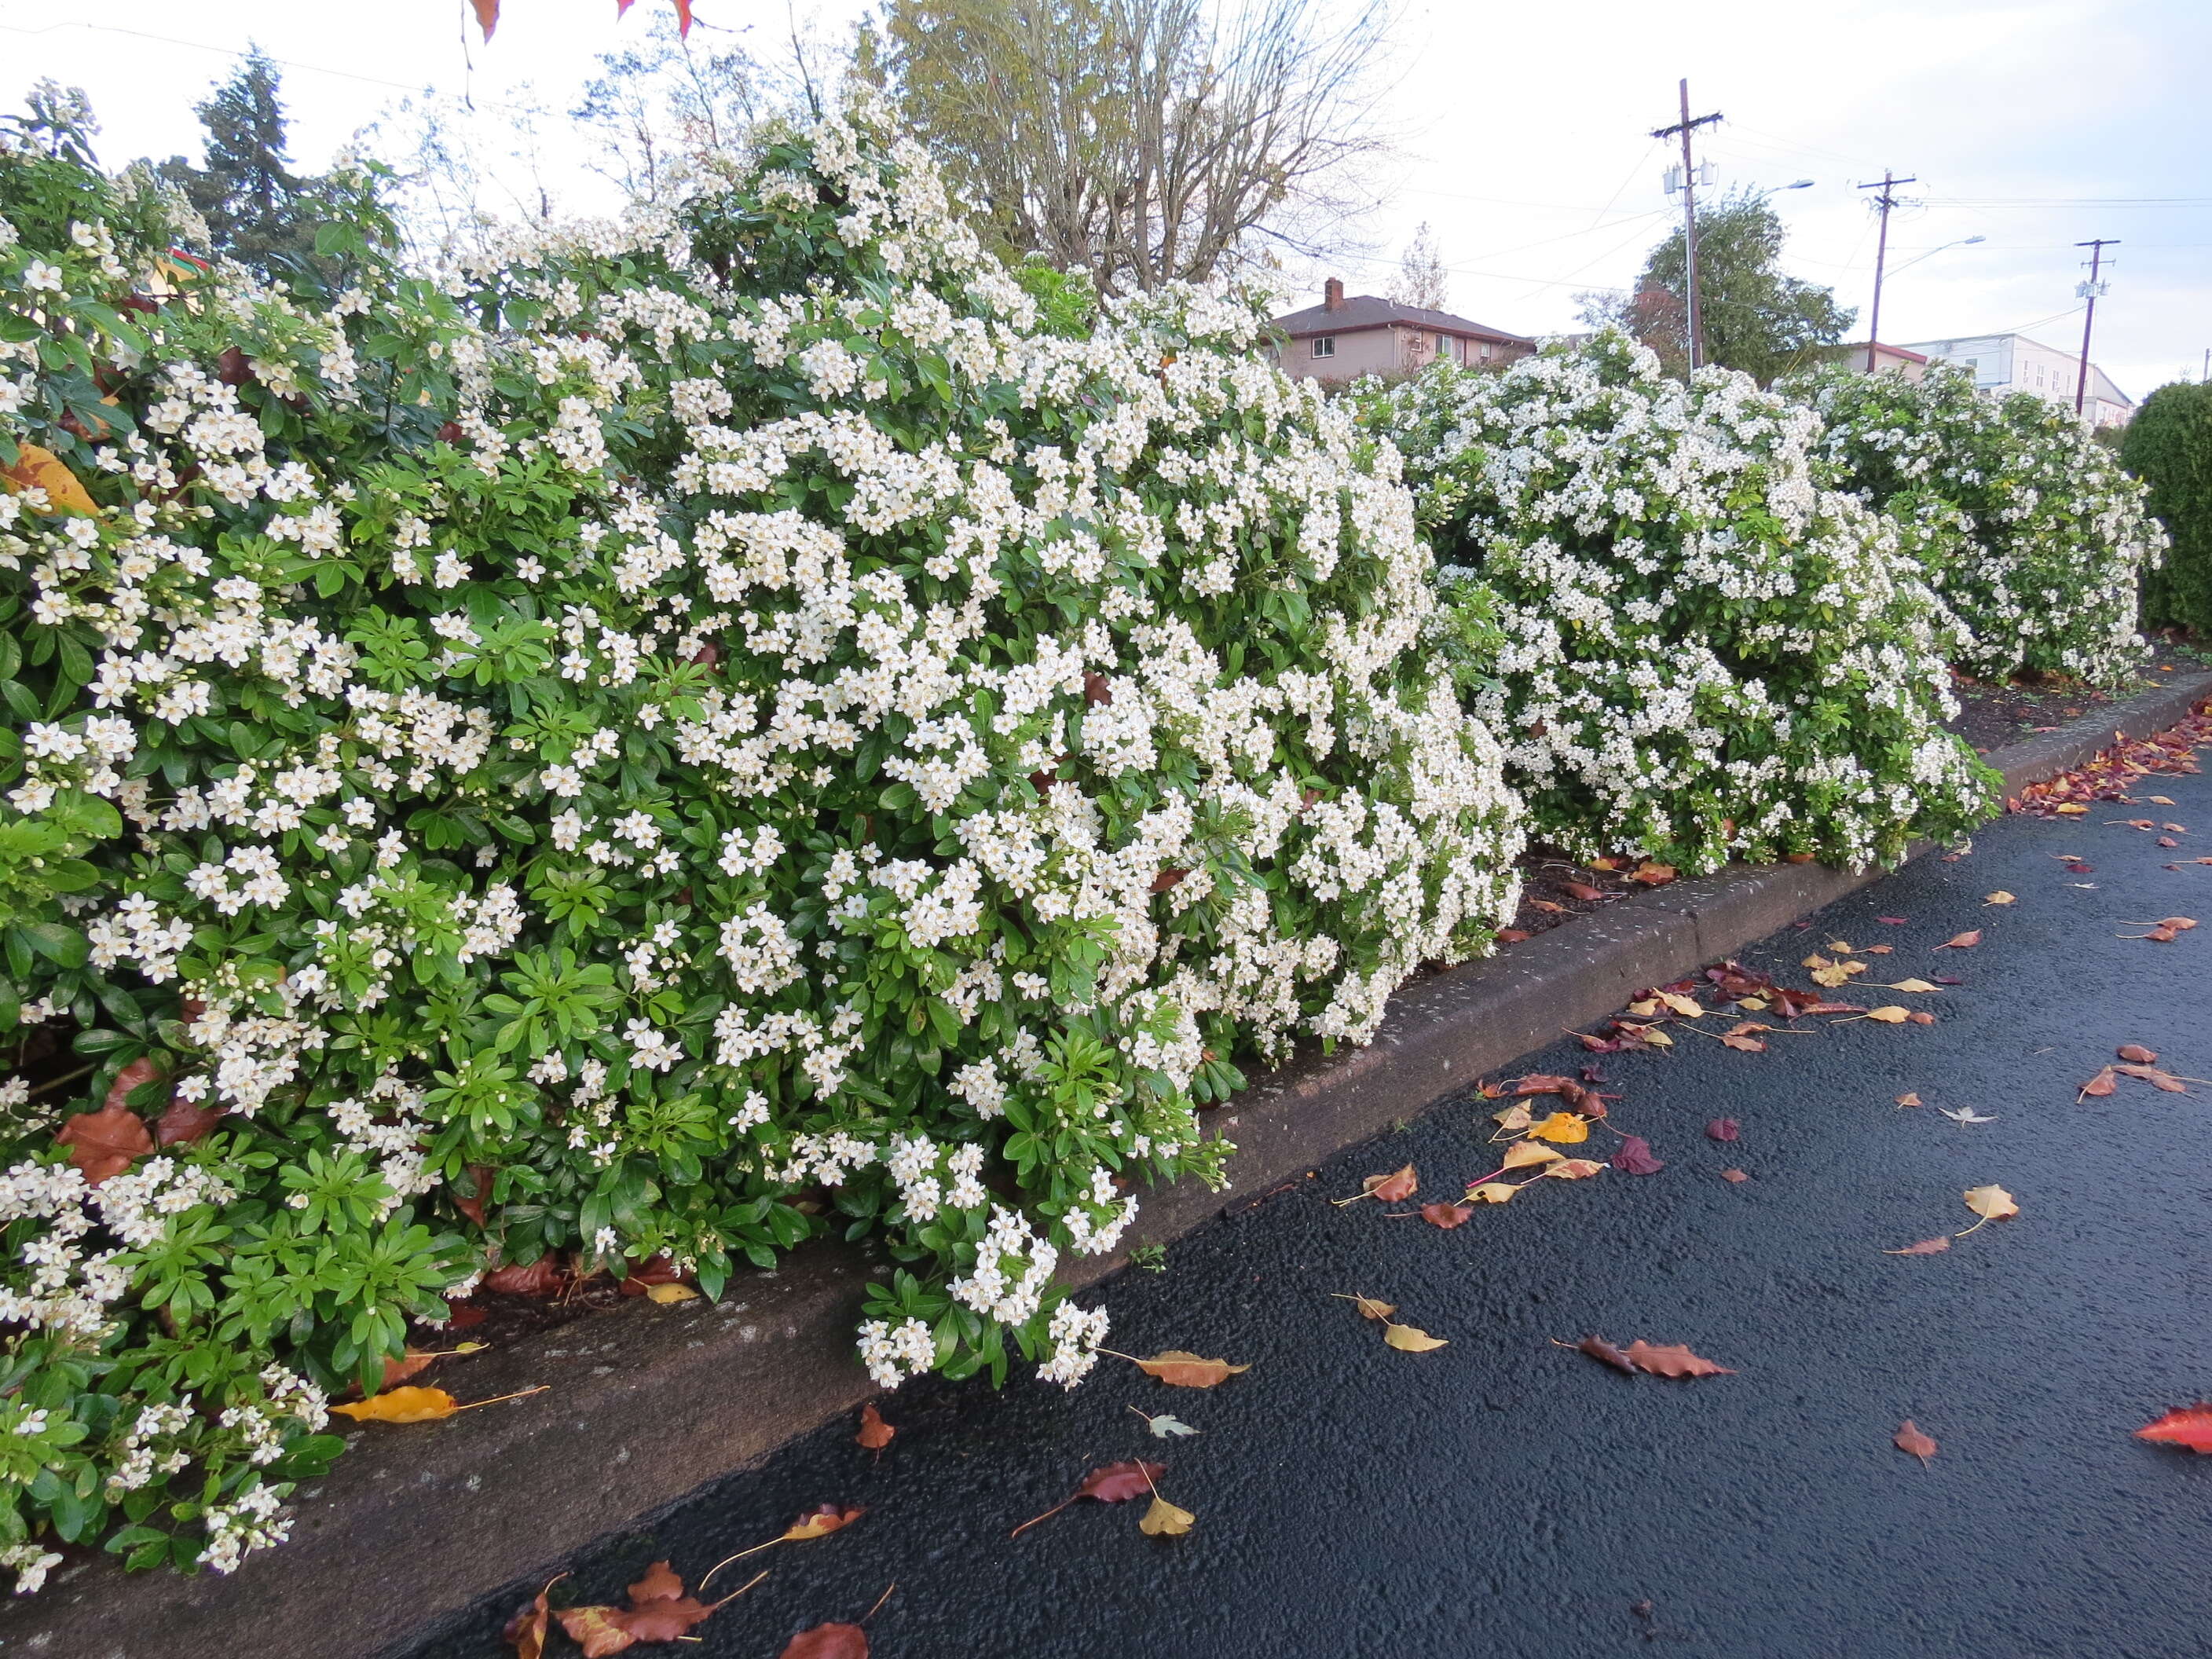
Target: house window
1325, 346
1486, 350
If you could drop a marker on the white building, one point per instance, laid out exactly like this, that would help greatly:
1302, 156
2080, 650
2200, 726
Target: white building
2013, 362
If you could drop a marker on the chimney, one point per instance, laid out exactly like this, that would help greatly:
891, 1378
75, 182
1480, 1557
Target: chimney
1331, 295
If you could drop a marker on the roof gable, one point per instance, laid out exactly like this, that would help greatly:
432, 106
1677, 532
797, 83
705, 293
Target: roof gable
1372, 311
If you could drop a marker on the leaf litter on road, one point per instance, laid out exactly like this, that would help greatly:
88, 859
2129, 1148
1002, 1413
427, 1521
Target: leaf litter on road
1910, 1438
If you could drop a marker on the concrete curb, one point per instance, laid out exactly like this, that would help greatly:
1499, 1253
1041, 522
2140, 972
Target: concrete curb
646, 1403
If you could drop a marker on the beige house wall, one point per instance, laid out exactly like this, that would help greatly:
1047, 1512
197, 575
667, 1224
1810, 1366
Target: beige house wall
1370, 351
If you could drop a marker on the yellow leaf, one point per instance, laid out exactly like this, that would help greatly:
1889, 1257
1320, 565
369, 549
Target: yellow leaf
1891, 1015
1998, 897
665, 1294
1650, 1034
1839, 947
1562, 1126
1493, 1192
1688, 1008
820, 1523
1528, 1152
1645, 1008
2072, 809
1164, 1520
1912, 985
1407, 1340
41, 468
1187, 1371
1835, 974
469, 1348
1753, 1005
1816, 960
1515, 1118
1992, 1203
1370, 1308
401, 1405
1575, 1169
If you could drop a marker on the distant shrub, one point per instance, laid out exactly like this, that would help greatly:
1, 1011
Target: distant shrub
1705, 652
2169, 445
2028, 527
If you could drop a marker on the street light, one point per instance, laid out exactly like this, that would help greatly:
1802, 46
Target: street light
1874, 339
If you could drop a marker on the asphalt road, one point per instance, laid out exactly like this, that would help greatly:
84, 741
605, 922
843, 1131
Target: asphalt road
1504, 1495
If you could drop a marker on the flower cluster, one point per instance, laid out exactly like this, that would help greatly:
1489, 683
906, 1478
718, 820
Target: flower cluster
2028, 528
1706, 653
694, 732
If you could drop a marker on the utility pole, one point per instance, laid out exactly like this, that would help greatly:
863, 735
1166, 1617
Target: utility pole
1885, 202
1685, 127
2089, 291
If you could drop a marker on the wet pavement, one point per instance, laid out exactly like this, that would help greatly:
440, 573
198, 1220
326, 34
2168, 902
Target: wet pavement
1503, 1496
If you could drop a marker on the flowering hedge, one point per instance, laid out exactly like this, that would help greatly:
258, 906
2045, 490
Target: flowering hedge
1706, 653
718, 729
2029, 529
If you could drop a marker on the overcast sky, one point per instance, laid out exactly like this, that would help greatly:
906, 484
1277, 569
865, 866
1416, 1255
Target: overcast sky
1523, 133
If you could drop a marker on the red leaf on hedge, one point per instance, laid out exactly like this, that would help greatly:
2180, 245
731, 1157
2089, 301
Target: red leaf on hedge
828, 1642
183, 1122
1635, 1157
141, 1070
539, 1278
1167, 878
1097, 690
106, 1142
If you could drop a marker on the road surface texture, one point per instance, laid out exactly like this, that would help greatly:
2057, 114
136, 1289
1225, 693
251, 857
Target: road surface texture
1505, 1496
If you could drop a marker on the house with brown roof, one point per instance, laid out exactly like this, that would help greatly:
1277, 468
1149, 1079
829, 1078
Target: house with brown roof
1343, 338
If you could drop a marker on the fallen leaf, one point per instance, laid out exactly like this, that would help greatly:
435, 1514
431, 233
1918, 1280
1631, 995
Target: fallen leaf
1965, 941
1164, 1520
1687, 1008
1673, 1361
1576, 1169
2137, 1053
1909, 1438
1999, 897
820, 1522
1926, 1246
410, 1364
1654, 874
1514, 1118
1635, 1157
1583, 891
1446, 1216
1723, 1128
1910, 1100
1734, 1175
2072, 808
106, 1142
1179, 1370
1369, 1308
2157, 1078
875, 1434
1742, 1042
540, 1278
1110, 1483
409, 1405
525, 1631
1407, 1340
1891, 921
1916, 986
1521, 1153
660, 1583
1512, 936
1493, 1192
599, 1631
1564, 1127
2190, 1426
1604, 1352
1891, 1015
1880, 949
665, 1294
1162, 1425
1921, 1017
828, 1642
1967, 1115
1392, 1188
1992, 1203
2105, 1083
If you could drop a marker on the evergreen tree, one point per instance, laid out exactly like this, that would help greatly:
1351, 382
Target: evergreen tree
257, 210
2169, 445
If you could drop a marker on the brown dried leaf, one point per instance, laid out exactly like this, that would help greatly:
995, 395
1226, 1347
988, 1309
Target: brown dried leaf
599, 1631
105, 1143
828, 1642
822, 1522
525, 1631
1926, 1246
1734, 1175
660, 1583
1179, 1369
1576, 1169
2105, 1083
1910, 1100
1446, 1216
1909, 1438
1965, 941
1393, 1188
875, 1434
2136, 1053
1723, 1128
1604, 1352
1674, 1360
1654, 874
1583, 891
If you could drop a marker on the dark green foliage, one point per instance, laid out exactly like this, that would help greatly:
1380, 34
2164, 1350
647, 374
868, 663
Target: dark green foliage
2169, 445
257, 210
